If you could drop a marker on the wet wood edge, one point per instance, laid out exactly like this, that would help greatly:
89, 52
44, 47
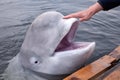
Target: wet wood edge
107, 73
116, 54
115, 75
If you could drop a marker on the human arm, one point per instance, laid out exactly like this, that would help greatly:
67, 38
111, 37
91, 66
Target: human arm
86, 14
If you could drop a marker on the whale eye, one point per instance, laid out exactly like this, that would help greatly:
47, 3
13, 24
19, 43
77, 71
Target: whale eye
34, 60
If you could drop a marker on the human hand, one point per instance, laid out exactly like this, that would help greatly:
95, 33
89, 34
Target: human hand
82, 15
86, 14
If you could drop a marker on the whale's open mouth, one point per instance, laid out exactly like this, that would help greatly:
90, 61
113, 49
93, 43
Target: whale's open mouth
67, 42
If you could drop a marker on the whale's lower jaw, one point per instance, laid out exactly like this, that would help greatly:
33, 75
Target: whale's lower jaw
67, 61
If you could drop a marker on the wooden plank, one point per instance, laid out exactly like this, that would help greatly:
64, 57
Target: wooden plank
92, 69
115, 75
111, 74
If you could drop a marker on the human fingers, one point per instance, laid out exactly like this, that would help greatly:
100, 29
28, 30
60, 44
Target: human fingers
74, 15
68, 16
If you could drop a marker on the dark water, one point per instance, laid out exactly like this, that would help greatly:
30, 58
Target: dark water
17, 15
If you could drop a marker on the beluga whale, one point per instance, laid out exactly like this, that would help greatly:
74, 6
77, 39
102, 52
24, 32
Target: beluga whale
49, 50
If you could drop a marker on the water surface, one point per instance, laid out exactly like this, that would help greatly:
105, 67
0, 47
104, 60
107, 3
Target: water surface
17, 15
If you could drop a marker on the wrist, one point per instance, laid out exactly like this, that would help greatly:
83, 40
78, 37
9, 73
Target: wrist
94, 8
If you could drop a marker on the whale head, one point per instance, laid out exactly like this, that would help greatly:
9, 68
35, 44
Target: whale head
49, 47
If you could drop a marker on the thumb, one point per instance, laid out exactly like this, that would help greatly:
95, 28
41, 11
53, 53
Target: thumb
82, 19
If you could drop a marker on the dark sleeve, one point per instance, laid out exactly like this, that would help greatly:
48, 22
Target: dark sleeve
109, 4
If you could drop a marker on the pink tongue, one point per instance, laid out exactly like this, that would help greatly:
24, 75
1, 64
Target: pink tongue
67, 40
